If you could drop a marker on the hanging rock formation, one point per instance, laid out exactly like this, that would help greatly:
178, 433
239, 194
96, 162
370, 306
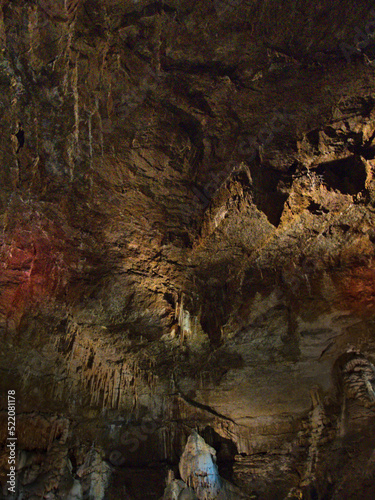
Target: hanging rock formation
187, 243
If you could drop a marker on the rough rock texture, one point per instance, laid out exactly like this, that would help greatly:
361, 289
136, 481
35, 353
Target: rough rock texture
187, 208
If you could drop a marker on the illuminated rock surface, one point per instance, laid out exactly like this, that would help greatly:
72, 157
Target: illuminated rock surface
198, 468
187, 230
201, 478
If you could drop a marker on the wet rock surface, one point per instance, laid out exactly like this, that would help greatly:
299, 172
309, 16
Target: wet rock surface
187, 244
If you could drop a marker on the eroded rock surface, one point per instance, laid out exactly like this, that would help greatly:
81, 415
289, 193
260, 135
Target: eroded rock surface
187, 243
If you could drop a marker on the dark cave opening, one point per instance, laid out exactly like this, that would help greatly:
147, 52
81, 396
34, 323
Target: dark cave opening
347, 176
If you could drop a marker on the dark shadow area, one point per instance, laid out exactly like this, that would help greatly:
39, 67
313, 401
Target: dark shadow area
226, 450
347, 176
270, 191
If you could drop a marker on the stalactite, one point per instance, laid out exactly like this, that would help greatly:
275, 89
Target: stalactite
90, 138
33, 33
116, 383
106, 385
105, 391
100, 126
75, 90
67, 55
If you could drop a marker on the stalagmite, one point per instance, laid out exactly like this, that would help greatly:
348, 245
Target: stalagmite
317, 420
200, 475
76, 492
198, 468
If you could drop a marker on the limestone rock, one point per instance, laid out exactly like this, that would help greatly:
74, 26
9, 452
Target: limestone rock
198, 468
187, 242
178, 490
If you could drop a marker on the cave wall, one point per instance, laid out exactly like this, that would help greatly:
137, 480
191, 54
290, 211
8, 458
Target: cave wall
187, 243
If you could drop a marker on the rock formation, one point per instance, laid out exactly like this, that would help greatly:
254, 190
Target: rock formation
187, 238
200, 476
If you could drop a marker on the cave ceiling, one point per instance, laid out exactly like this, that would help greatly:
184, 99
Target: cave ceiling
187, 237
